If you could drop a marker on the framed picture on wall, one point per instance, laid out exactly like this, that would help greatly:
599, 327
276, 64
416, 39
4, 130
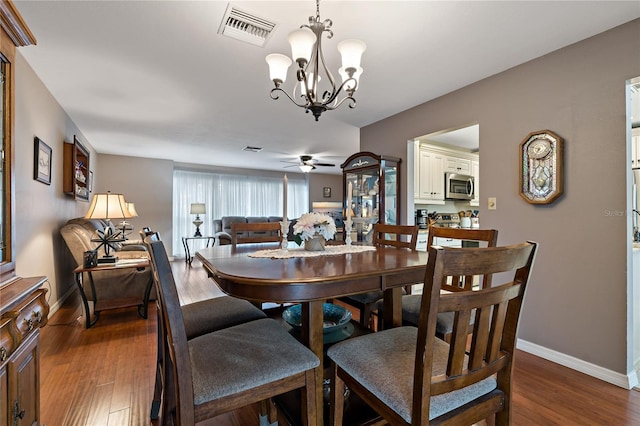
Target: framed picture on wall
41, 161
326, 192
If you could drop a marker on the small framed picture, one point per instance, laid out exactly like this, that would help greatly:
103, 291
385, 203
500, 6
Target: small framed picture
326, 192
41, 161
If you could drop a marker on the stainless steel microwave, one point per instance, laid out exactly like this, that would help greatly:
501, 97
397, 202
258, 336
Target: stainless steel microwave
459, 187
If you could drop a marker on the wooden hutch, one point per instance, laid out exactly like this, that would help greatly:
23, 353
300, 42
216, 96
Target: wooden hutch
23, 307
375, 190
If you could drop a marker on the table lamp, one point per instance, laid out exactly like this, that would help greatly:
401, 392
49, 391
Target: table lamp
107, 206
125, 227
197, 209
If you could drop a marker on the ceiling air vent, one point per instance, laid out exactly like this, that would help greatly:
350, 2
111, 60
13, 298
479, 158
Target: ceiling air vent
245, 27
252, 148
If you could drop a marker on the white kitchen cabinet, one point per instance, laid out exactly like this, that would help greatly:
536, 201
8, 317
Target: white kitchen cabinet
458, 165
447, 242
421, 242
430, 164
430, 182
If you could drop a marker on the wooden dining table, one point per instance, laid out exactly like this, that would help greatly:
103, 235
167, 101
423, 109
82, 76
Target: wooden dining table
312, 280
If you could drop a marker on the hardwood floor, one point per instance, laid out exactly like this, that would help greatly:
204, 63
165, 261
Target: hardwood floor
104, 375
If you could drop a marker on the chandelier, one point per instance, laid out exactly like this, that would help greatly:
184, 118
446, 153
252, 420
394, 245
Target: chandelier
306, 50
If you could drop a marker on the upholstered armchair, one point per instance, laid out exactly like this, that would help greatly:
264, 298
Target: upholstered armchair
122, 283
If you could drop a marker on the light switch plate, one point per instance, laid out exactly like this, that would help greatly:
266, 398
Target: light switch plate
491, 203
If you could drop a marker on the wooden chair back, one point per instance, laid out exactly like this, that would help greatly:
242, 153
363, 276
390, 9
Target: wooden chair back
176, 363
259, 232
179, 405
402, 236
488, 236
492, 346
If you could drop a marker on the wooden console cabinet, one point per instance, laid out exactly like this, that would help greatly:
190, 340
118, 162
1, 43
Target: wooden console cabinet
23, 310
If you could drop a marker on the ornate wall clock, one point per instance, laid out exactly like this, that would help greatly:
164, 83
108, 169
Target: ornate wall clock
541, 167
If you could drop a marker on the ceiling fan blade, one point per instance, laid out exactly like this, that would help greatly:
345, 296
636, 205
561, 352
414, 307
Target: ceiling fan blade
324, 164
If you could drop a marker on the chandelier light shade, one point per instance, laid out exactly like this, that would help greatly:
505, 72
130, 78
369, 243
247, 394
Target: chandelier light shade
306, 51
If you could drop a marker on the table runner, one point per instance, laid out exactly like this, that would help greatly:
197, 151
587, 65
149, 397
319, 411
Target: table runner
330, 250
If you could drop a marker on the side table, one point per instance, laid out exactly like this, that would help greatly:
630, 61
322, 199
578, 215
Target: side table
98, 306
185, 242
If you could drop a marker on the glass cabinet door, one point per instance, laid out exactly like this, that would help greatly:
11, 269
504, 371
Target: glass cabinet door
374, 192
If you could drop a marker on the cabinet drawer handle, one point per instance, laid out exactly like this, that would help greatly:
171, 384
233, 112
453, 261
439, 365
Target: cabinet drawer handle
17, 412
29, 323
3, 354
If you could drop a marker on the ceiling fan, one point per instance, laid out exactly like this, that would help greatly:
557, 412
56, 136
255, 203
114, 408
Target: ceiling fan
308, 163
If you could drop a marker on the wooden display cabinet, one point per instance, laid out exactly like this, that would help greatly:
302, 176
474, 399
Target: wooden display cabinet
375, 181
76, 179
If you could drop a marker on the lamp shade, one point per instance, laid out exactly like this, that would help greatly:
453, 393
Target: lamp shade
302, 42
351, 51
198, 208
278, 66
306, 168
131, 208
107, 206
356, 76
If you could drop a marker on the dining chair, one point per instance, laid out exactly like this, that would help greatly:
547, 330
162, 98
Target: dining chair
411, 377
411, 303
224, 370
257, 232
199, 318
400, 236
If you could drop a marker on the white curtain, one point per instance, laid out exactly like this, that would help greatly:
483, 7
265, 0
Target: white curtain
230, 195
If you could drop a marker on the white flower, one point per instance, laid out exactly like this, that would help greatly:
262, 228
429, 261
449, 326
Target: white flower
311, 223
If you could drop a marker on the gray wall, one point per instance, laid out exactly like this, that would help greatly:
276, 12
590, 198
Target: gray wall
317, 183
146, 182
576, 303
41, 210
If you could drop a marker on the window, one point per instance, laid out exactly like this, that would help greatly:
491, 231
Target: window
231, 195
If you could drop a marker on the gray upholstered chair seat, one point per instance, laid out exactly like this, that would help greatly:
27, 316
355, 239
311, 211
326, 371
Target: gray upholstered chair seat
411, 314
385, 365
215, 314
263, 352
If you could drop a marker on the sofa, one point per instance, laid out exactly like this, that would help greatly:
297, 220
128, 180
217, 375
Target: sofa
222, 226
122, 283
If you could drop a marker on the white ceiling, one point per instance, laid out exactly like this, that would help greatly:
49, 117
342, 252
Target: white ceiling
155, 79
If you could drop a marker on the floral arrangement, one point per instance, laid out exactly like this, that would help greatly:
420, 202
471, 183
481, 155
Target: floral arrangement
311, 223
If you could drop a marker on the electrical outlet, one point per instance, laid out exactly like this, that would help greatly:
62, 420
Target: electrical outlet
491, 203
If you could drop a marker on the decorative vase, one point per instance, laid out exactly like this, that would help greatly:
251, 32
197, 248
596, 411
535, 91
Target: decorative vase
315, 243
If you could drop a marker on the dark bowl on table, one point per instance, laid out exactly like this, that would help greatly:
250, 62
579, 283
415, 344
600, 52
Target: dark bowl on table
334, 316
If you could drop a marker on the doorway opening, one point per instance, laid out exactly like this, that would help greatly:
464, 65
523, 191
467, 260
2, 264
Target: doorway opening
633, 284
451, 144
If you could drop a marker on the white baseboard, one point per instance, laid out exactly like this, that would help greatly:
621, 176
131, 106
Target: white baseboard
618, 379
54, 308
